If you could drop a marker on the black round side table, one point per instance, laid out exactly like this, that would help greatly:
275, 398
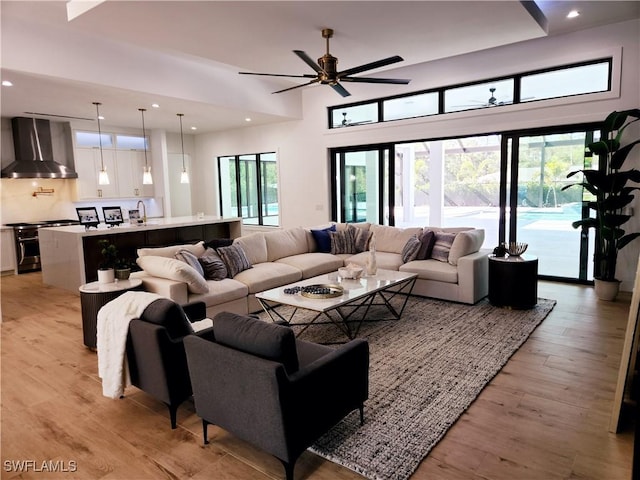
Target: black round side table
513, 281
93, 296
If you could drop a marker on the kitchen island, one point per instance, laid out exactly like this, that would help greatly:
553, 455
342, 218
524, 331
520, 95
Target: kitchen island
70, 255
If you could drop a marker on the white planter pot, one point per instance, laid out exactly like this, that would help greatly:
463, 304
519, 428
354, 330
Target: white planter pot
106, 276
606, 290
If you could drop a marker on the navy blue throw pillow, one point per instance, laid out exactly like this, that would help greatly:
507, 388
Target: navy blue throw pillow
322, 238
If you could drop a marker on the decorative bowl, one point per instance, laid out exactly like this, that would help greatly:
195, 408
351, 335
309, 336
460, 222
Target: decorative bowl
350, 272
516, 249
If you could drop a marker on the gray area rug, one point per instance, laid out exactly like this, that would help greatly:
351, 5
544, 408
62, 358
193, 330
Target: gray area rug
426, 369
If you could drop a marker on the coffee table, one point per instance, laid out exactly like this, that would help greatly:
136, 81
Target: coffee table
358, 297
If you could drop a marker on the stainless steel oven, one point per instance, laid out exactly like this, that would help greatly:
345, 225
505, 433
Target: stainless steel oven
27, 243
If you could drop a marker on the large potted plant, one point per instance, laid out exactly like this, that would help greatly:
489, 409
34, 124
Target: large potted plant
106, 268
612, 191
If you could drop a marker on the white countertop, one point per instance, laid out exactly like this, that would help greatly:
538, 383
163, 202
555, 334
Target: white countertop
152, 224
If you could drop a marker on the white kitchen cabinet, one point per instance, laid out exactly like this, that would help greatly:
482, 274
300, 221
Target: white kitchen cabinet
125, 168
88, 164
130, 167
7, 250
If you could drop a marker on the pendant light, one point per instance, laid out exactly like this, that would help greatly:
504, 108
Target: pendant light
146, 174
103, 176
184, 176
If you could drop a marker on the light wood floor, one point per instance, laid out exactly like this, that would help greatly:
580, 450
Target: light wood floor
545, 416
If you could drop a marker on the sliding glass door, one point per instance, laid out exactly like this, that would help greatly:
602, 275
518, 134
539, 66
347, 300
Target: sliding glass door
510, 185
361, 180
539, 212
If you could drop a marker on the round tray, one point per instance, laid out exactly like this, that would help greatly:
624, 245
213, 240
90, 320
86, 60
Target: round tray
334, 291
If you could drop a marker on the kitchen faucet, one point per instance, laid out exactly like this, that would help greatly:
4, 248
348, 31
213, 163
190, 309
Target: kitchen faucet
144, 210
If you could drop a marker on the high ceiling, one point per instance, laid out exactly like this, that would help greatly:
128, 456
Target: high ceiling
185, 55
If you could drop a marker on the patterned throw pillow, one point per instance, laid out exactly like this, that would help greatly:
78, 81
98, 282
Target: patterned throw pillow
342, 242
442, 246
427, 239
190, 259
234, 259
410, 250
212, 265
361, 238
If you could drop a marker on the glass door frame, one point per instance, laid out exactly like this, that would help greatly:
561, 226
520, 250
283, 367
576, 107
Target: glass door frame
509, 178
337, 168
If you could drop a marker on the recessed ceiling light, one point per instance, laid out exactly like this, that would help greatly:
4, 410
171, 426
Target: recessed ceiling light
247, 119
100, 117
573, 14
7, 83
155, 105
194, 128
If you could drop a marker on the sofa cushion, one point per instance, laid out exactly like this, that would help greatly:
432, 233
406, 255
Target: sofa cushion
256, 337
427, 239
442, 246
190, 259
432, 270
254, 246
235, 259
221, 291
392, 239
170, 315
314, 263
212, 265
173, 269
410, 250
322, 239
264, 276
284, 243
465, 243
342, 242
170, 252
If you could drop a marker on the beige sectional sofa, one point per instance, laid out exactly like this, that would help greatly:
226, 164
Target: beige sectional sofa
281, 257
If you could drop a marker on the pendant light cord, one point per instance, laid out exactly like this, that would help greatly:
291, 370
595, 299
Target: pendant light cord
180, 115
144, 137
97, 104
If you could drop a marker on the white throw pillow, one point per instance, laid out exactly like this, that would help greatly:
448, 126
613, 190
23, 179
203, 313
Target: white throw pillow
465, 243
197, 249
173, 269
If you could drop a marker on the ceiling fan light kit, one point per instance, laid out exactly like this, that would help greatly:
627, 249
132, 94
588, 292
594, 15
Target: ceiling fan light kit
327, 73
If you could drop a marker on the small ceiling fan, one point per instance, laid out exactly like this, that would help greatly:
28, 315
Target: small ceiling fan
491, 102
327, 71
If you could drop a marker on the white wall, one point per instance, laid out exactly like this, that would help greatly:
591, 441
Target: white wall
302, 146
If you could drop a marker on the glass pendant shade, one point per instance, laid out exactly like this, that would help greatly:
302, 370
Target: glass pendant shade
103, 176
184, 176
147, 179
146, 174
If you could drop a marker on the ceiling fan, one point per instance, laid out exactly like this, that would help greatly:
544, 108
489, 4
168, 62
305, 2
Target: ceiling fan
492, 101
327, 71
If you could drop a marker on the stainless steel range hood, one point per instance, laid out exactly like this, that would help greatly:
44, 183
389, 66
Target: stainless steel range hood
34, 151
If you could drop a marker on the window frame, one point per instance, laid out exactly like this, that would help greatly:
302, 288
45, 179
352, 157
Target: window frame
441, 91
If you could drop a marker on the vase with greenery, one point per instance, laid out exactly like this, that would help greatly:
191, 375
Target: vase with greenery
106, 268
612, 190
123, 268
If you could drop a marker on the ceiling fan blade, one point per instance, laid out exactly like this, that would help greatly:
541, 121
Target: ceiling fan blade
340, 89
277, 75
370, 66
308, 60
397, 81
315, 80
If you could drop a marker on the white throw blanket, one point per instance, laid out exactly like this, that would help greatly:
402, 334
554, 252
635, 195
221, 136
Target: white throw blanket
112, 330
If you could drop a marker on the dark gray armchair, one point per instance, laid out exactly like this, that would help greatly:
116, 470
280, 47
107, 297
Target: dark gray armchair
257, 381
155, 351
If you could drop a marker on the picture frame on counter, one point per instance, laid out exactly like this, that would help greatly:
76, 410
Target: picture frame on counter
112, 216
88, 216
134, 217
